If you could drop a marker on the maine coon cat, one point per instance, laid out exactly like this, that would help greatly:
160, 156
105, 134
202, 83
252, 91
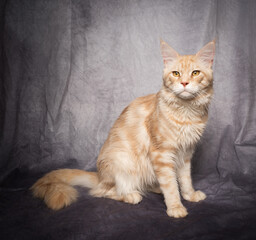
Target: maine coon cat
151, 144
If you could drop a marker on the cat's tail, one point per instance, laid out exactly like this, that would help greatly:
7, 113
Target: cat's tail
56, 188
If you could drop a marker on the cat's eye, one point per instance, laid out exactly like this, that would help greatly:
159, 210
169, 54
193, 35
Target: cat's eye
175, 73
195, 73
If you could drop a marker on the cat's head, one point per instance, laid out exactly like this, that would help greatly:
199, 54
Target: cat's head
188, 76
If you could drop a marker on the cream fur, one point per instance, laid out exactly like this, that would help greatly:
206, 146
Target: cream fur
151, 144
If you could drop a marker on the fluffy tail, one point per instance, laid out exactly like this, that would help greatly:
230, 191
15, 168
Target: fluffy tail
55, 188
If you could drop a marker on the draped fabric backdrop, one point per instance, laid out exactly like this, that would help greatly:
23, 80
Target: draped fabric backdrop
69, 67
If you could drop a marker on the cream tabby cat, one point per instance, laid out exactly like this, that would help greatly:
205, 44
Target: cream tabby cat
150, 146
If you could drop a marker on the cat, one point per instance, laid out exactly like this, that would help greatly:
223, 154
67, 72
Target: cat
150, 146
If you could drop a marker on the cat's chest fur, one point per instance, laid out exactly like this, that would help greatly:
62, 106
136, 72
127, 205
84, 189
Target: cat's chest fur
189, 133
185, 128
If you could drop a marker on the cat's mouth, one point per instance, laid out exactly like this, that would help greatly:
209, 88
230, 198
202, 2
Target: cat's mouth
186, 95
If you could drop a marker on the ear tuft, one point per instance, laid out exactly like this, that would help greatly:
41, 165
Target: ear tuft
206, 54
168, 53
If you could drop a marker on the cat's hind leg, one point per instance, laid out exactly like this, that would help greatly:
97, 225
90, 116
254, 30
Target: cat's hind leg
104, 190
127, 186
121, 170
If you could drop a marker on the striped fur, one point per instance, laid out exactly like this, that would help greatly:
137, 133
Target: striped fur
151, 144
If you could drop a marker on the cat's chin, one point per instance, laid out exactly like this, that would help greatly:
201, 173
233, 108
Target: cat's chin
186, 95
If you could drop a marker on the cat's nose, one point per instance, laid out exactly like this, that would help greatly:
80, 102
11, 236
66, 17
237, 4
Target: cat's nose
184, 83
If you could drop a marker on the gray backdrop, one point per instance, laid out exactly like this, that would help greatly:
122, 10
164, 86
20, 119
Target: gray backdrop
69, 67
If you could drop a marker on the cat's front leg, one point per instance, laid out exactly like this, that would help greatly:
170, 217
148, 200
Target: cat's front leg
165, 169
185, 181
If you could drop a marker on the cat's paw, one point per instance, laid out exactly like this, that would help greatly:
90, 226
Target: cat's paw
132, 198
195, 196
177, 212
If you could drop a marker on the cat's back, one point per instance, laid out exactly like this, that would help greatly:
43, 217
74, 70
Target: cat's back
143, 105
130, 130
128, 136
137, 111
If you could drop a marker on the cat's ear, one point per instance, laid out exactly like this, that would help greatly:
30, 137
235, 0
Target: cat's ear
206, 54
168, 53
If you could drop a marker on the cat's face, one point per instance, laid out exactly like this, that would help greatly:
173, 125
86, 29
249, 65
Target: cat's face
187, 76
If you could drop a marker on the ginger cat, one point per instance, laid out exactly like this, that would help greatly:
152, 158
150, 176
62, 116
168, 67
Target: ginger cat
151, 144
